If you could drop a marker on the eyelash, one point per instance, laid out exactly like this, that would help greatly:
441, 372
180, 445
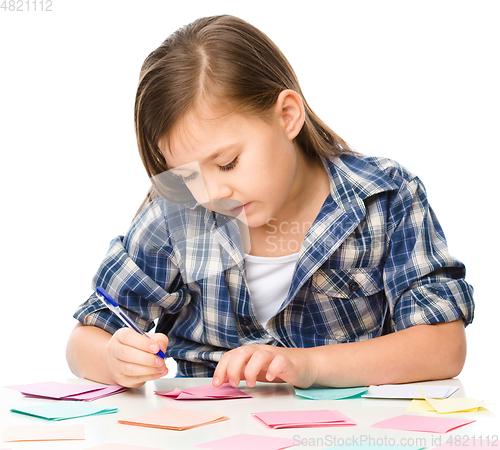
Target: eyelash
229, 166
190, 177
225, 168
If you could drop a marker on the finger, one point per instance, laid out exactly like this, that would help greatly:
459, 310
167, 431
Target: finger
128, 372
220, 373
129, 354
259, 361
131, 338
126, 353
131, 369
161, 339
137, 381
237, 364
278, 366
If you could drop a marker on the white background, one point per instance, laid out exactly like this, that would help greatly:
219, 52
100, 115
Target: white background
417, 81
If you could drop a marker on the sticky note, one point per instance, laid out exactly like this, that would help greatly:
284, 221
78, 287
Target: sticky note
174, 419
450, 405
44, 433
206, 392
67, 391
248, 442
409, 391
417, 405
304, 419
421, 423
324, 393
422, 406
63, 410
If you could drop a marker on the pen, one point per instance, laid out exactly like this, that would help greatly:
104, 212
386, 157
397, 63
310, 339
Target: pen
114, 307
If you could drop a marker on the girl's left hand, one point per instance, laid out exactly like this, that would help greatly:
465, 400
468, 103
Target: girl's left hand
264, 363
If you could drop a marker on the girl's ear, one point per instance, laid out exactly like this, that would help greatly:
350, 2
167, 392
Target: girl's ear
290, 111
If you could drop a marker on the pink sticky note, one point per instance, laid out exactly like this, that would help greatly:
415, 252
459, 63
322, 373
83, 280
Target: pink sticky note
66, 391
206, 392
409, 422
51, 389
248, 442
94, 395
44, 433
303, 419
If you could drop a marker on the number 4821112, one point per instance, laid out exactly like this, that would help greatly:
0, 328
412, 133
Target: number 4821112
26, 5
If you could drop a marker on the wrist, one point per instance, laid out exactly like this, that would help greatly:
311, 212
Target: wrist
308, 365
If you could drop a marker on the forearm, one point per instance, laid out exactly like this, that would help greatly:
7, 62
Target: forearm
424, 352
86, 354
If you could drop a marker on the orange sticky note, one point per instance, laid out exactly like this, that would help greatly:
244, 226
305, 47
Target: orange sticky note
44, 433
174, 419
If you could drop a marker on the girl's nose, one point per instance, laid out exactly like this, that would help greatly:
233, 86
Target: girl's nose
217, 189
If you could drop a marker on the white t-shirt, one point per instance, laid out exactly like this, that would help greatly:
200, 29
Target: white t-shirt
269, 279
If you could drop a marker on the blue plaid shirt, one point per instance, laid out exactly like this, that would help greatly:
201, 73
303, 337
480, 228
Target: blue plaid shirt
374, 261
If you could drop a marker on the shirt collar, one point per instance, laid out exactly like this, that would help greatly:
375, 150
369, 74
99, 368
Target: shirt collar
352, 180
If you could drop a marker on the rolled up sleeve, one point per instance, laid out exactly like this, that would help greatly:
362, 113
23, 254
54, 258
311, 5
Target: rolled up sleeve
140, 273
424, 283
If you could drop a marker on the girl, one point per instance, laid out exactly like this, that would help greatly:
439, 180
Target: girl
347, 280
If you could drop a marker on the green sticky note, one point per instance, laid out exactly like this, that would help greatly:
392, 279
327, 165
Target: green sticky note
326, 393
64, 410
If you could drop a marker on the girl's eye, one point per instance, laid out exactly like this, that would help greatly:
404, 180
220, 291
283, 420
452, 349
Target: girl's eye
189, 177
229, 166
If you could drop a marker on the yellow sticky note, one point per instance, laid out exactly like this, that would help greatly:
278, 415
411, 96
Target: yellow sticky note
418, 405
449, 405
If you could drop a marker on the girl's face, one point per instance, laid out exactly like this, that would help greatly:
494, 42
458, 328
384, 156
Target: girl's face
246, 164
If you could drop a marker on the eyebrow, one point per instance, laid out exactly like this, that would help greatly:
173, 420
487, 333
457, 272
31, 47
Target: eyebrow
216, 154
220, 151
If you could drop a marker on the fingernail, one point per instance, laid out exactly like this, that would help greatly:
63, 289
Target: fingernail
153, 348
215, 381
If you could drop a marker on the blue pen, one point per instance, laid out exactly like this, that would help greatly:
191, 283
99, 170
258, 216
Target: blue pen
114, 307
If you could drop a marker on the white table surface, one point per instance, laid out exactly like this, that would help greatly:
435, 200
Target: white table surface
265, 397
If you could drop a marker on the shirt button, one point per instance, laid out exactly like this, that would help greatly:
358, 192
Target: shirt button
353, 287
245, 321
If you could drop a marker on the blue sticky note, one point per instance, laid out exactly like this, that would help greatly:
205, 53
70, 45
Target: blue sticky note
326, 393
64, 410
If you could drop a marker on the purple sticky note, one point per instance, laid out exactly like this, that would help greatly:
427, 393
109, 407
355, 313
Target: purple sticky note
66, 391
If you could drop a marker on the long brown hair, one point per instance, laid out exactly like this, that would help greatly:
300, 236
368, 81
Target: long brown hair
213, 59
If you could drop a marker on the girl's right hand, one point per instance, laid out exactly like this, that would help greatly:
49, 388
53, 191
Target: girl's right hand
132, 357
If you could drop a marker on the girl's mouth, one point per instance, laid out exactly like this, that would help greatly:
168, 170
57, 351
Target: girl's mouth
239, 209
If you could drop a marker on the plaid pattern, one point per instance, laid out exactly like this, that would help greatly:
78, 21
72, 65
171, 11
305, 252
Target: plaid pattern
374, 261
